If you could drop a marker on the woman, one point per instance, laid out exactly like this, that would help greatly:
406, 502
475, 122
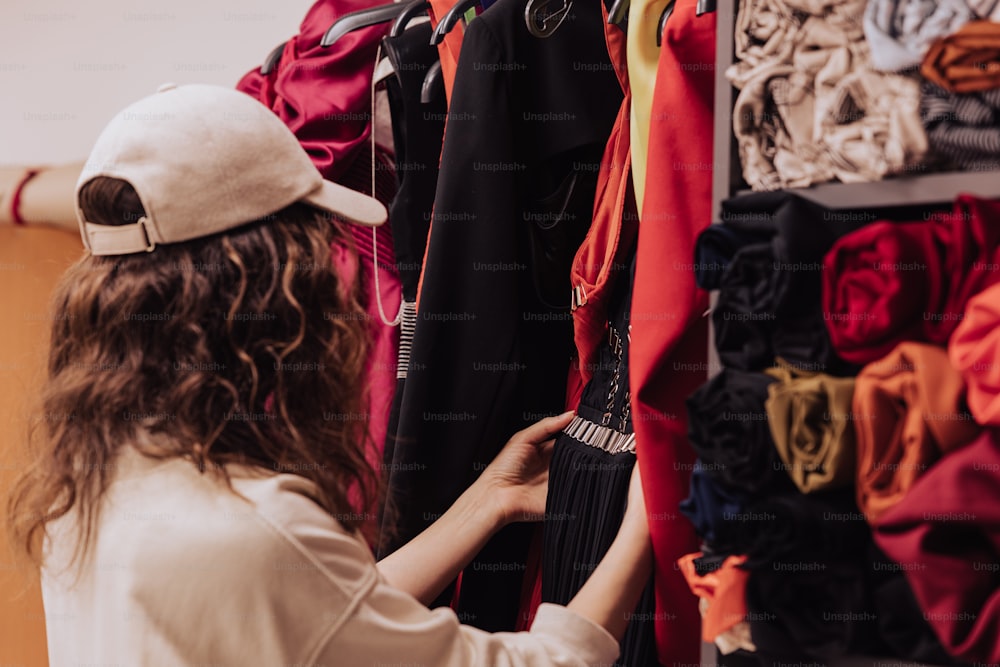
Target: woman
200, 480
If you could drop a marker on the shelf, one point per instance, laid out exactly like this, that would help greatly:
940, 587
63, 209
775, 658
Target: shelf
923, 189
722, 146
710, 657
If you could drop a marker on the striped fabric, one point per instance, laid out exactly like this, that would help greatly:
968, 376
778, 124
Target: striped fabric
408, 325
986, 9
963, 128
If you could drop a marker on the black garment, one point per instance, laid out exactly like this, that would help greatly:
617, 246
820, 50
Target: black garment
714, 251
819, 614
417, 131
527, 125
769, 302
901, 623
820, 527
727, 427
744, 314
743, 224
588, 485
808, 593
715, 511
708, 562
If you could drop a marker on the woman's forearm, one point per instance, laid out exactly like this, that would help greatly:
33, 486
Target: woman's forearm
429, 562
45, 199
512, 488
610, 595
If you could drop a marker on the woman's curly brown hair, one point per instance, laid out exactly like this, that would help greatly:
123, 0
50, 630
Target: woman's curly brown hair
244, 347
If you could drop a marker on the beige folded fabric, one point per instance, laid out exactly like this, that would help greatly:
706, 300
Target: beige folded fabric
864, 127
736, 638
765, 34
772, 121
811, 108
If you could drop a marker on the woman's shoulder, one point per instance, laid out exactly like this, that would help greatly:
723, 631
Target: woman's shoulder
289, 505
266, 521
187, 557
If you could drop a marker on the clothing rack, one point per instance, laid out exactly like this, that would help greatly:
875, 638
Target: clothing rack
917, 190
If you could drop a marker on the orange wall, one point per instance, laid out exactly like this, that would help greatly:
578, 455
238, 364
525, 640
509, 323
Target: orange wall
31, 261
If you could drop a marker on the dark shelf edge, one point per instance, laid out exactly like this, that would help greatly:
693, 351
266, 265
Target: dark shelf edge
711, 657
922, 190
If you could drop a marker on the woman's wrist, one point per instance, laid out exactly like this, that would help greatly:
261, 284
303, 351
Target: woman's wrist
484, 504
634, 529
425, 565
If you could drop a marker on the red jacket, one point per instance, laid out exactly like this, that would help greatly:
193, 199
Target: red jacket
669, 331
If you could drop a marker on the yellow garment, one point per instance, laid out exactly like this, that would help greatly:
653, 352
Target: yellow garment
810, 419
643, 57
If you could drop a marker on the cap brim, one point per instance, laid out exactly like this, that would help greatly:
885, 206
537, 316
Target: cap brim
348, 204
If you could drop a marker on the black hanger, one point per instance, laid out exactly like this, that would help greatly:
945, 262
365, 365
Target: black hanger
662, 25
704, 7
273, 58
618, 13
361, 19
409, 13
543, 22
450, 20
432, 80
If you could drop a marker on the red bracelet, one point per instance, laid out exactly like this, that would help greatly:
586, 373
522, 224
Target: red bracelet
15, 200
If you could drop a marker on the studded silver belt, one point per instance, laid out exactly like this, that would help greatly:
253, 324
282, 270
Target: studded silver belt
601, 437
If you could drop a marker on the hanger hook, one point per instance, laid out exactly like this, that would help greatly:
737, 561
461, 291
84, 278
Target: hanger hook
540, 21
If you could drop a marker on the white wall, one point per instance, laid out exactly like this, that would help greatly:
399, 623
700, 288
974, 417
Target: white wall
66, 66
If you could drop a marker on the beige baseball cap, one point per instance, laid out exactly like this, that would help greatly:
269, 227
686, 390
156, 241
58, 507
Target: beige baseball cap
205, 159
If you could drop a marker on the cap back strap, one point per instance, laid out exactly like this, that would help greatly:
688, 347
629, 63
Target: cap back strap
118, 239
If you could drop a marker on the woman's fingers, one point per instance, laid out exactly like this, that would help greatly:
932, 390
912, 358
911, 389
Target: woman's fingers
544, 429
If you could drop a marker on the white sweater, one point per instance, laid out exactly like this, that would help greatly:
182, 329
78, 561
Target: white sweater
185, 572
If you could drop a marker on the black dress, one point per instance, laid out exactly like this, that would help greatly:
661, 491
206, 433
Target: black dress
528, 122
589, 481
418, 131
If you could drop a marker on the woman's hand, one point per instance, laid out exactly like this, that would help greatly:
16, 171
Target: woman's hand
512, 488
517, 480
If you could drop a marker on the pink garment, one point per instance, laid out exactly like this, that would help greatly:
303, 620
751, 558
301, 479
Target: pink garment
381, 371
324, 96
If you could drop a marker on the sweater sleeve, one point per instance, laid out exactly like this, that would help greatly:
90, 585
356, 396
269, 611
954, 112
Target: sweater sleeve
354, 618
389, 627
